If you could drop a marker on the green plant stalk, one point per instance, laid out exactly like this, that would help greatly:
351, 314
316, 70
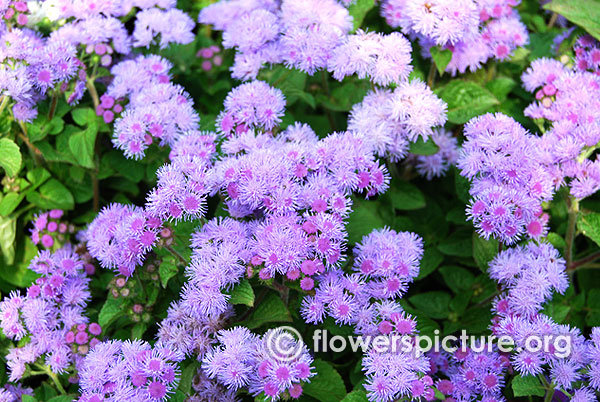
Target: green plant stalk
571, 229
5, 100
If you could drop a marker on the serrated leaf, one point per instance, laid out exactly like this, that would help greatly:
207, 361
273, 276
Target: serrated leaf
589, 225
271, 309
28, 398
466, 99
405, 196
242, 293
527, 386
167, 269
110, 311
10, 157
585, 13
327, 385
421, 147
441, 58
52, 195
358, 10
484, 251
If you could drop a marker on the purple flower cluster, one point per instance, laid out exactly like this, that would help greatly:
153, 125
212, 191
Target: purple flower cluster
385, 263
275, 364
96, 27
207, 390
390, 119
14, 393
587, 54
528, 276
128, 370
43, 319
254, 105
211, 56
385, 59
568, 101
470, 373
183, 185
33, 69
474, 31
14, 12
509, 181
121, 235
299, 34
157, 108
48, 229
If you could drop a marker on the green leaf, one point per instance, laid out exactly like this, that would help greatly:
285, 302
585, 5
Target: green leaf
592, 318
128, 168
10, 157
358, 10
501, 87
138, 330
466, 99
441, 58
432, 304
458, 279
271, 309
432, 258
363, 220
527, 386
82, 144
63, 398
187, 376
589, 225
484, 251
85, 116
406, 196
356, 396
28, 398
456, 245
556, 240
421, 147
242, 293
8, 233
327, 385
111, 310
52, 195
38, 176
585, 13
167, 269
10, 202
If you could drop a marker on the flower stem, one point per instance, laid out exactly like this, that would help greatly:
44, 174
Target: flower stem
431, 75
176, 254
583, 261
93, 93
571, 228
